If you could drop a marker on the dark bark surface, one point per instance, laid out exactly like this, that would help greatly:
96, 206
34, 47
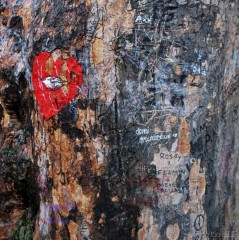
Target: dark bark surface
148, 149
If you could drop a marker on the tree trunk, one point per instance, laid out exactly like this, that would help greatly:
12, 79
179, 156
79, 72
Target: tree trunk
146, 147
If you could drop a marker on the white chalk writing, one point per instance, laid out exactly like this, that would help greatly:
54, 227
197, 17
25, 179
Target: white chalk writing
141, 19
171, 172
142, 131
156, 138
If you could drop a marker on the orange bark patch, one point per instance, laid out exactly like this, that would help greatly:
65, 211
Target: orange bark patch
183, 141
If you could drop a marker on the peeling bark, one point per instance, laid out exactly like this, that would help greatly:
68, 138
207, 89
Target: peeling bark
148, 147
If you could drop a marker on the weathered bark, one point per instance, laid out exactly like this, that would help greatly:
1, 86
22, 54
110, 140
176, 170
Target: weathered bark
148, 149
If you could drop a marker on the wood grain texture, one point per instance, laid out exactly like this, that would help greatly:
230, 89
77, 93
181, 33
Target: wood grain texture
148, 147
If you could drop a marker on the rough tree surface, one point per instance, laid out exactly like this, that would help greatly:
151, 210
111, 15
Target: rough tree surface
148, 148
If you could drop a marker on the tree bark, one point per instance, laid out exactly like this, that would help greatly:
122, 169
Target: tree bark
148, 148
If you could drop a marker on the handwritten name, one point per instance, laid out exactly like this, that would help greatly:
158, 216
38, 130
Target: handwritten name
157, 138
171, 172
193, 113
143, 19
153, 184
142, 131
170, 156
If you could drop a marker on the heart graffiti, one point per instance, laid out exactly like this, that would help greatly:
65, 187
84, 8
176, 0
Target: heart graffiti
56, 79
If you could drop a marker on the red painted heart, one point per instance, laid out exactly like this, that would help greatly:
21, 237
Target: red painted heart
56, 79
